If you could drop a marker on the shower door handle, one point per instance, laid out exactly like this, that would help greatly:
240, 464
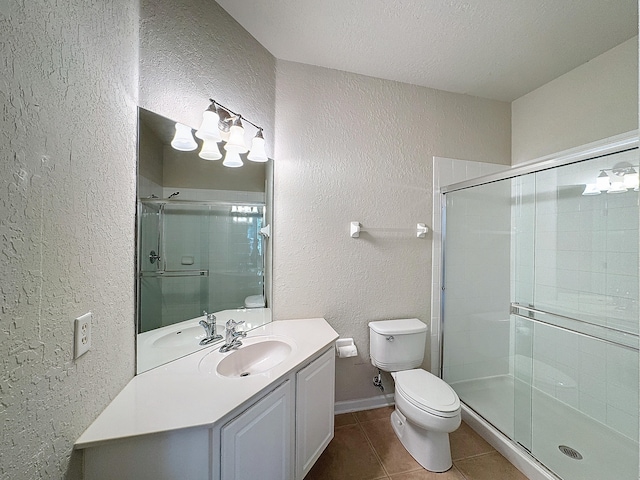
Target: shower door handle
153, 257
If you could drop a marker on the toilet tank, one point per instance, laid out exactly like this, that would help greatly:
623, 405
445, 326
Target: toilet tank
396, 345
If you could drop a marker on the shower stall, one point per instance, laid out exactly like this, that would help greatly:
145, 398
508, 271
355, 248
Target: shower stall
196, 256
539, 332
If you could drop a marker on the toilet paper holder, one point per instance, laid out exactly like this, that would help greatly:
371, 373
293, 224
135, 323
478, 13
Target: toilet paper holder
345, 347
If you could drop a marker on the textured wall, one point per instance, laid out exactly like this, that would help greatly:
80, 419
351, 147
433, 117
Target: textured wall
193, 50
356, 148
596, 100
67, 199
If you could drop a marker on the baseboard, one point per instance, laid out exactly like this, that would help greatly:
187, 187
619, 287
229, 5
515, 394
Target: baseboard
347, 406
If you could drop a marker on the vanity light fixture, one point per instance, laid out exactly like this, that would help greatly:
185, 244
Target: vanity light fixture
183, 139
623, 177
602, 182
236, 137
209, 150
233, 160
631, 179
591, 189
221, 124
257, 153
209, 128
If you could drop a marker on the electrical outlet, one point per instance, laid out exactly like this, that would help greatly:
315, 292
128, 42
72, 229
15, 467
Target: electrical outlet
82, 335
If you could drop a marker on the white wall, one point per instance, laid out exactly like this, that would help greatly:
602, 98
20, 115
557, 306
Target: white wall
67, 198
356, 148
193, 50
594, 101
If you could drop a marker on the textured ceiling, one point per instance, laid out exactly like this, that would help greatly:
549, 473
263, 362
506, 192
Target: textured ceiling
499, 49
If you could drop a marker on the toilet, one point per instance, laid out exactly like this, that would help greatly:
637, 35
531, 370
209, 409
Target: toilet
427, 409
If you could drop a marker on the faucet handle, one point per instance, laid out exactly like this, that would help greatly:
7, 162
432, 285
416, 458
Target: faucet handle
209, 316
231, 323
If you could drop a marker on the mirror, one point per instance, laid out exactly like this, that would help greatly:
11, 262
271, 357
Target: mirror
202, 245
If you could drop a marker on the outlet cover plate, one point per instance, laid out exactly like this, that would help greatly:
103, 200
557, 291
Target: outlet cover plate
82, 334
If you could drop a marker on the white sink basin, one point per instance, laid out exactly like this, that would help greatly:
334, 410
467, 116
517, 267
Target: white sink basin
256, 355
184, 336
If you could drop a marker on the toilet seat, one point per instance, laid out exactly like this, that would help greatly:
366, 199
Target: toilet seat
427, 392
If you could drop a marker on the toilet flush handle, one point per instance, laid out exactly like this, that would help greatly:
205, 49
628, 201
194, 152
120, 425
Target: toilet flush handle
390, 338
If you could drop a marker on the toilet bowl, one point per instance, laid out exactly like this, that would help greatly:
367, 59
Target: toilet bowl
426, 408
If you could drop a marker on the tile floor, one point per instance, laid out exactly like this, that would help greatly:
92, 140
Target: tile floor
365, 448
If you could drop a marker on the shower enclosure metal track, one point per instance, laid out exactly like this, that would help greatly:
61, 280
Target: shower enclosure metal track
529, 313
176, 273
618, 144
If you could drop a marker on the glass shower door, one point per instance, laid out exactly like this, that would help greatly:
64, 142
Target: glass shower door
583, 326
477, 328
540, 331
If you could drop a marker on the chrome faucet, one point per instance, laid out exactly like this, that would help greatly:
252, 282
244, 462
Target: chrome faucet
232, 340
209, 326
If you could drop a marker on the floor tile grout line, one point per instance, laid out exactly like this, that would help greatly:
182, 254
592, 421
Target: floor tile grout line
470, 457
388, 476
373, 450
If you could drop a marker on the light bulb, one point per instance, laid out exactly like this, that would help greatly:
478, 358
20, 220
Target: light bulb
591, 189
236, 138
233, 160
257, 153
602, 182
183, 139
210, 150
209, 128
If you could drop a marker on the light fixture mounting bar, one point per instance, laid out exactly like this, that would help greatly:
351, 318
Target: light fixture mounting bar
235, 113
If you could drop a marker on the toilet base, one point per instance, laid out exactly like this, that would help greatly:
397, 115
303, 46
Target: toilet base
430, 449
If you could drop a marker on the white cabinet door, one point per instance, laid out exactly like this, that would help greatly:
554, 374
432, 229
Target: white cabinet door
257, 444
315, 398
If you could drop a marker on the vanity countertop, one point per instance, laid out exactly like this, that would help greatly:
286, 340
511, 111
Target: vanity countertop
178, 395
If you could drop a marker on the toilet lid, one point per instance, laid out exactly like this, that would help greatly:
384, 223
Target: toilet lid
427, 391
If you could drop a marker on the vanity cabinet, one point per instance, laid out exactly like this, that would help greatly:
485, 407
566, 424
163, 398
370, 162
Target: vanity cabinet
257, 443
277, 436
315, 396
267, 428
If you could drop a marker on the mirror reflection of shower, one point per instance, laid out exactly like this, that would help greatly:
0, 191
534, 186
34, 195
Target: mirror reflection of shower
198, 255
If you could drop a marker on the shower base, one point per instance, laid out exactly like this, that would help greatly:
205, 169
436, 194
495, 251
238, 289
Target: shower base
606, 453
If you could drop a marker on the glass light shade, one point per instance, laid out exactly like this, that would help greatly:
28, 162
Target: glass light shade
617, 187
631, 179
236, 139
183, 139
210, 150
224, 135
233, 160
602, 182
257, 153
209, 128
591, 189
